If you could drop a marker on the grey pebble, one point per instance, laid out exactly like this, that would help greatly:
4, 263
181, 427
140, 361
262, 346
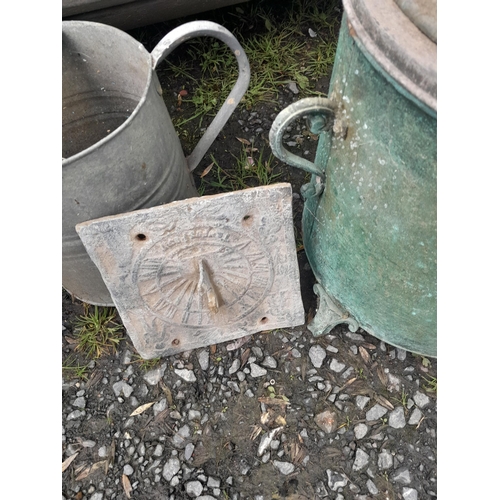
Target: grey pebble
188, 451
122, 388
185, 374
336, 366
376, 412
235, 366
360, 430
79, 402
171, 468
97, 496
128, 470
284, 468
421, 399
362, 401
385, 460
410, 494
152, 377
402, 476
75, 414
204, 359
361, 460
397, 418
269, 362
194, 488
415, 417
317, 355
371, 486
257, 371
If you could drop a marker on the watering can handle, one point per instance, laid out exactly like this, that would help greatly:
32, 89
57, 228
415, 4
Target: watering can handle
207, 28
320, 112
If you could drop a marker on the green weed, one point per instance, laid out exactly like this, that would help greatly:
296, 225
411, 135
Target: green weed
97, 332
73, 368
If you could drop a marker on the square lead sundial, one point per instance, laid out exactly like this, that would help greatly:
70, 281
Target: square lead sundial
200, 271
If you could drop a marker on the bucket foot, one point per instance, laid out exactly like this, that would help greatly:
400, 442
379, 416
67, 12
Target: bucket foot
329, 314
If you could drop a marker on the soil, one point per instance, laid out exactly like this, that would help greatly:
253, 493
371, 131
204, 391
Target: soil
223, 444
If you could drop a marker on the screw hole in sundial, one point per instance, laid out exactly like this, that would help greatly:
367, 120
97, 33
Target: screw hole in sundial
264, 320
176, 342
247, 219
140, 237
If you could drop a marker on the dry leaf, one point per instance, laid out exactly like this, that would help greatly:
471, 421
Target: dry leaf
167, 392
384, 402
244, 141
280, 420
256, 431
274, 401
244, 357
71, 340
126, 485
142, 409
364, 354
205, 172
91, 469
68, 461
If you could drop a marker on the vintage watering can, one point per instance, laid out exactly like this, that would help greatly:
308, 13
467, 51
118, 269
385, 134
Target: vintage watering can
369, 220
120, 150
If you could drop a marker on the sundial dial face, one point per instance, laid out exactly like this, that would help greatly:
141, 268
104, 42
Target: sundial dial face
200, 271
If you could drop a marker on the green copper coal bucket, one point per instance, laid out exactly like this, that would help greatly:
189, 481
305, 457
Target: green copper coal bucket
369, 219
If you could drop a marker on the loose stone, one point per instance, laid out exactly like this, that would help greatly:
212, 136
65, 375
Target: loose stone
415, 417
402, 476
122, 387
269, 362
317, 355
284, 468
326, 421
362, 401
257, 371
128, 470
187, 375
79, 402
361, 460
235, 366
75, 415
385, 460
171, 468
397, 418
376, 412
410, 494
179, 438
421, 399
336, 480
336, 366
152, 377
372, 488
203, 359
194, 488
360, 430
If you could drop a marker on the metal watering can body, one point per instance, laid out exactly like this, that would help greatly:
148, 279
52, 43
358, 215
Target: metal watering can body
369, 219
120, 150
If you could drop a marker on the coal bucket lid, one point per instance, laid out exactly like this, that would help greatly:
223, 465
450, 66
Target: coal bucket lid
399, 37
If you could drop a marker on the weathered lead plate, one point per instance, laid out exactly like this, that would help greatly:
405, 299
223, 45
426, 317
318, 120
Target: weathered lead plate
200, 271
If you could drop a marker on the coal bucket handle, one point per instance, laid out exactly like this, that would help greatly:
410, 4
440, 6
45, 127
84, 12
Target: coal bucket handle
320, 113
207, 28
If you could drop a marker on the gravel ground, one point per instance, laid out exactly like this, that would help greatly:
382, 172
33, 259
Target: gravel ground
277, 415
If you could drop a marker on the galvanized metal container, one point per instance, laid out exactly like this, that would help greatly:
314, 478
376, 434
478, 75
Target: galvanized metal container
369, 221
120, 149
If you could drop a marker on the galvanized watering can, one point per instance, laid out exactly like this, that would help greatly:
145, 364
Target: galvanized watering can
120, 150
369, 220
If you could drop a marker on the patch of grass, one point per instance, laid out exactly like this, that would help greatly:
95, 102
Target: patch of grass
431, 384
97, 332
146, 364
403, 399
74, 369
295, 43
249, 170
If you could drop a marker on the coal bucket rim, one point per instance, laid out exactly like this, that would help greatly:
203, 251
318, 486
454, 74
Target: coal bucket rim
396, 47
